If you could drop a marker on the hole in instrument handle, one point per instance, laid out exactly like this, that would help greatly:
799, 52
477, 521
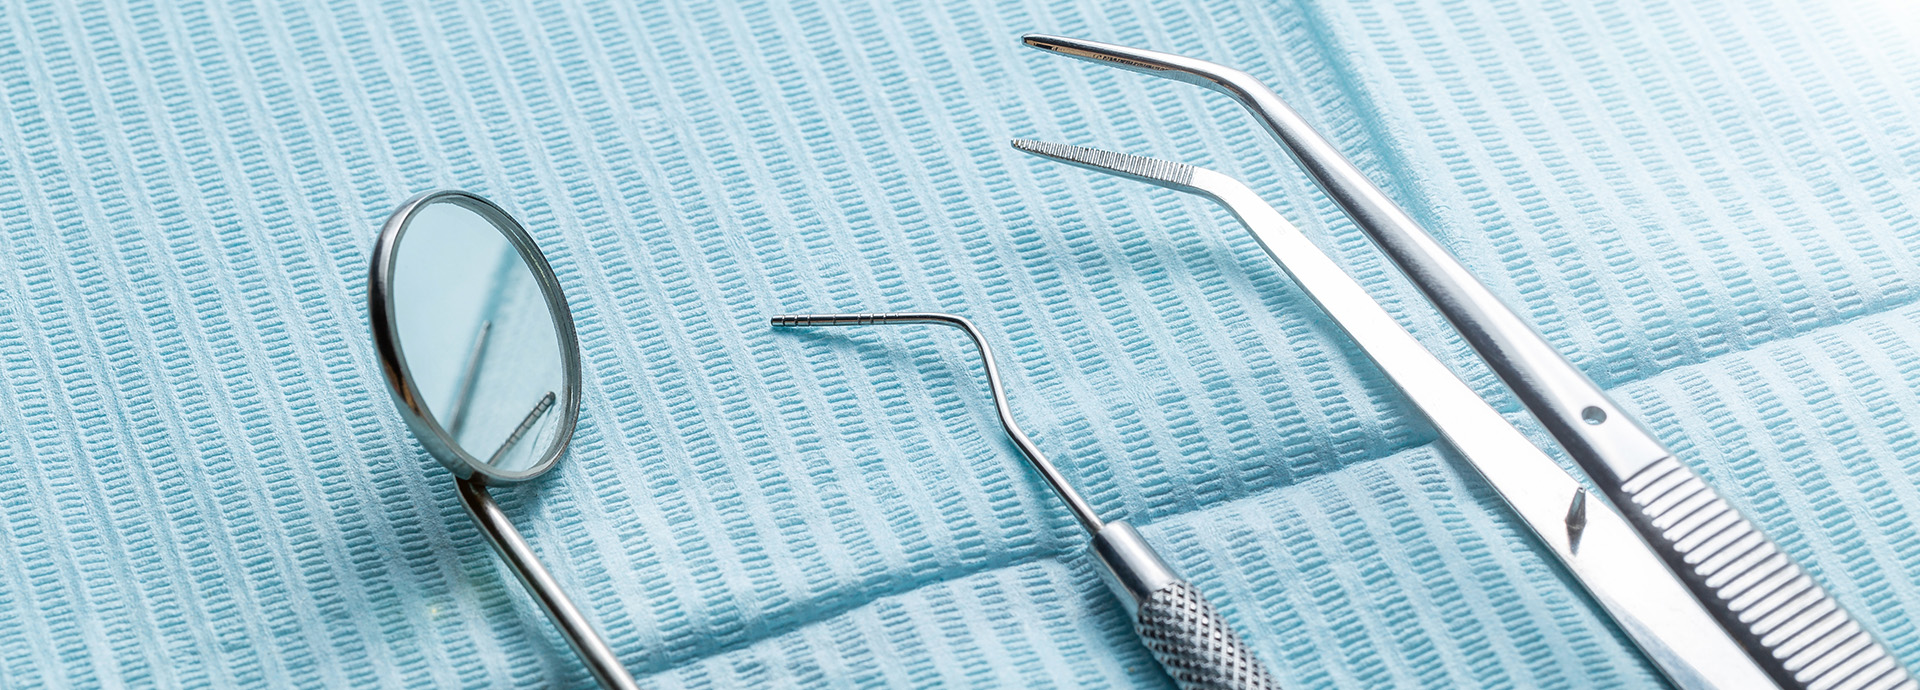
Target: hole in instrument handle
1593, 415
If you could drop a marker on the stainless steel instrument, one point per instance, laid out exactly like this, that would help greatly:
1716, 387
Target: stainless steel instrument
1190, 639
449, 263
1778, 614
1593, 541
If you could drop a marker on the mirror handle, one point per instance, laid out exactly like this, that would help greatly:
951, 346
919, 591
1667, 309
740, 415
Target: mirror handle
519, 555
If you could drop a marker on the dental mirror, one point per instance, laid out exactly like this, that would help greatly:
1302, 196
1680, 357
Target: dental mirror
478, 349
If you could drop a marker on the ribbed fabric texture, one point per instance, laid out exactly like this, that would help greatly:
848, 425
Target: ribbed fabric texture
1709, 204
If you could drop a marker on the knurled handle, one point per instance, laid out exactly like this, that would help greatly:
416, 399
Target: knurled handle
1786, 620
1195, 644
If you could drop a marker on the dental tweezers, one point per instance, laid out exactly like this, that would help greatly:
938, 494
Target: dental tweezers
1593, 541
1191, 640
1783, 620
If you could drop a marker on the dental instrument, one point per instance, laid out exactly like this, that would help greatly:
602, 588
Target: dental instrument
1785, 620
448, 263
1593, 541
1191, 640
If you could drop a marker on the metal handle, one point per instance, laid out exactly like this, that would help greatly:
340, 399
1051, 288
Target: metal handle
1195, 645
1192, 641
1615, 451
1598, 546
1793, 627
519, 555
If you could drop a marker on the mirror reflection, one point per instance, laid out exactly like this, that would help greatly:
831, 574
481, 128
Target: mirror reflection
477, 337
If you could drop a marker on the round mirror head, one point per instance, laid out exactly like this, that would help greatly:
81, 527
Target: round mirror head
474, 337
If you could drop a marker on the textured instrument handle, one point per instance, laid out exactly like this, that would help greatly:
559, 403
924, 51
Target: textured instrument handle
1195, 645
1786, 620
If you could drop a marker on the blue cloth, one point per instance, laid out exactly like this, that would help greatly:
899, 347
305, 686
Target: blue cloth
1708, 204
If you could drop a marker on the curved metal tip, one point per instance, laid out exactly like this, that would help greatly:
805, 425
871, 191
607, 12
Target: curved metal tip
1212, 75
1094, 50
1161, 172
1058, 482
1050, 42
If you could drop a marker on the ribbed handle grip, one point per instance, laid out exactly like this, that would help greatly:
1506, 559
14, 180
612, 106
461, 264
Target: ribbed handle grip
1788, 622
1195, 645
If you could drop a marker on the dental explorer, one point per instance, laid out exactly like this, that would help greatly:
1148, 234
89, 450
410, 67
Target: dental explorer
1785, 620
1591, 540
1192, 641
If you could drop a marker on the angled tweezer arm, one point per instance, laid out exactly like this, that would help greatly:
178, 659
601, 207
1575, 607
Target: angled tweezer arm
1784, 620
1594, 542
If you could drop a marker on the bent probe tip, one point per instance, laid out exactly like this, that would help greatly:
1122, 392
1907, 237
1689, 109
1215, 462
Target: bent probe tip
1196, 645
1082, 511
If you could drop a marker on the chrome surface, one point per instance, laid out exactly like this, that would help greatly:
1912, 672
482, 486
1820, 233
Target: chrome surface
1192, 642
1534, 369
470, 474
1056, 481
1595, 543
1610, 445
1196, 645
525, 564
383, 318
1133, 570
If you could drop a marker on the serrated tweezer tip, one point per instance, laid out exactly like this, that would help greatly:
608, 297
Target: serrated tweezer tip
1152, 169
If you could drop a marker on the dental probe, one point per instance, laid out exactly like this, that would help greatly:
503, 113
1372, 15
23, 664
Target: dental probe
1592, 540
1190, 639
1783, 618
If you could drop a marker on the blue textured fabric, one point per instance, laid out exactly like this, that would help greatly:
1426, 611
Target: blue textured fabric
1709, 204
